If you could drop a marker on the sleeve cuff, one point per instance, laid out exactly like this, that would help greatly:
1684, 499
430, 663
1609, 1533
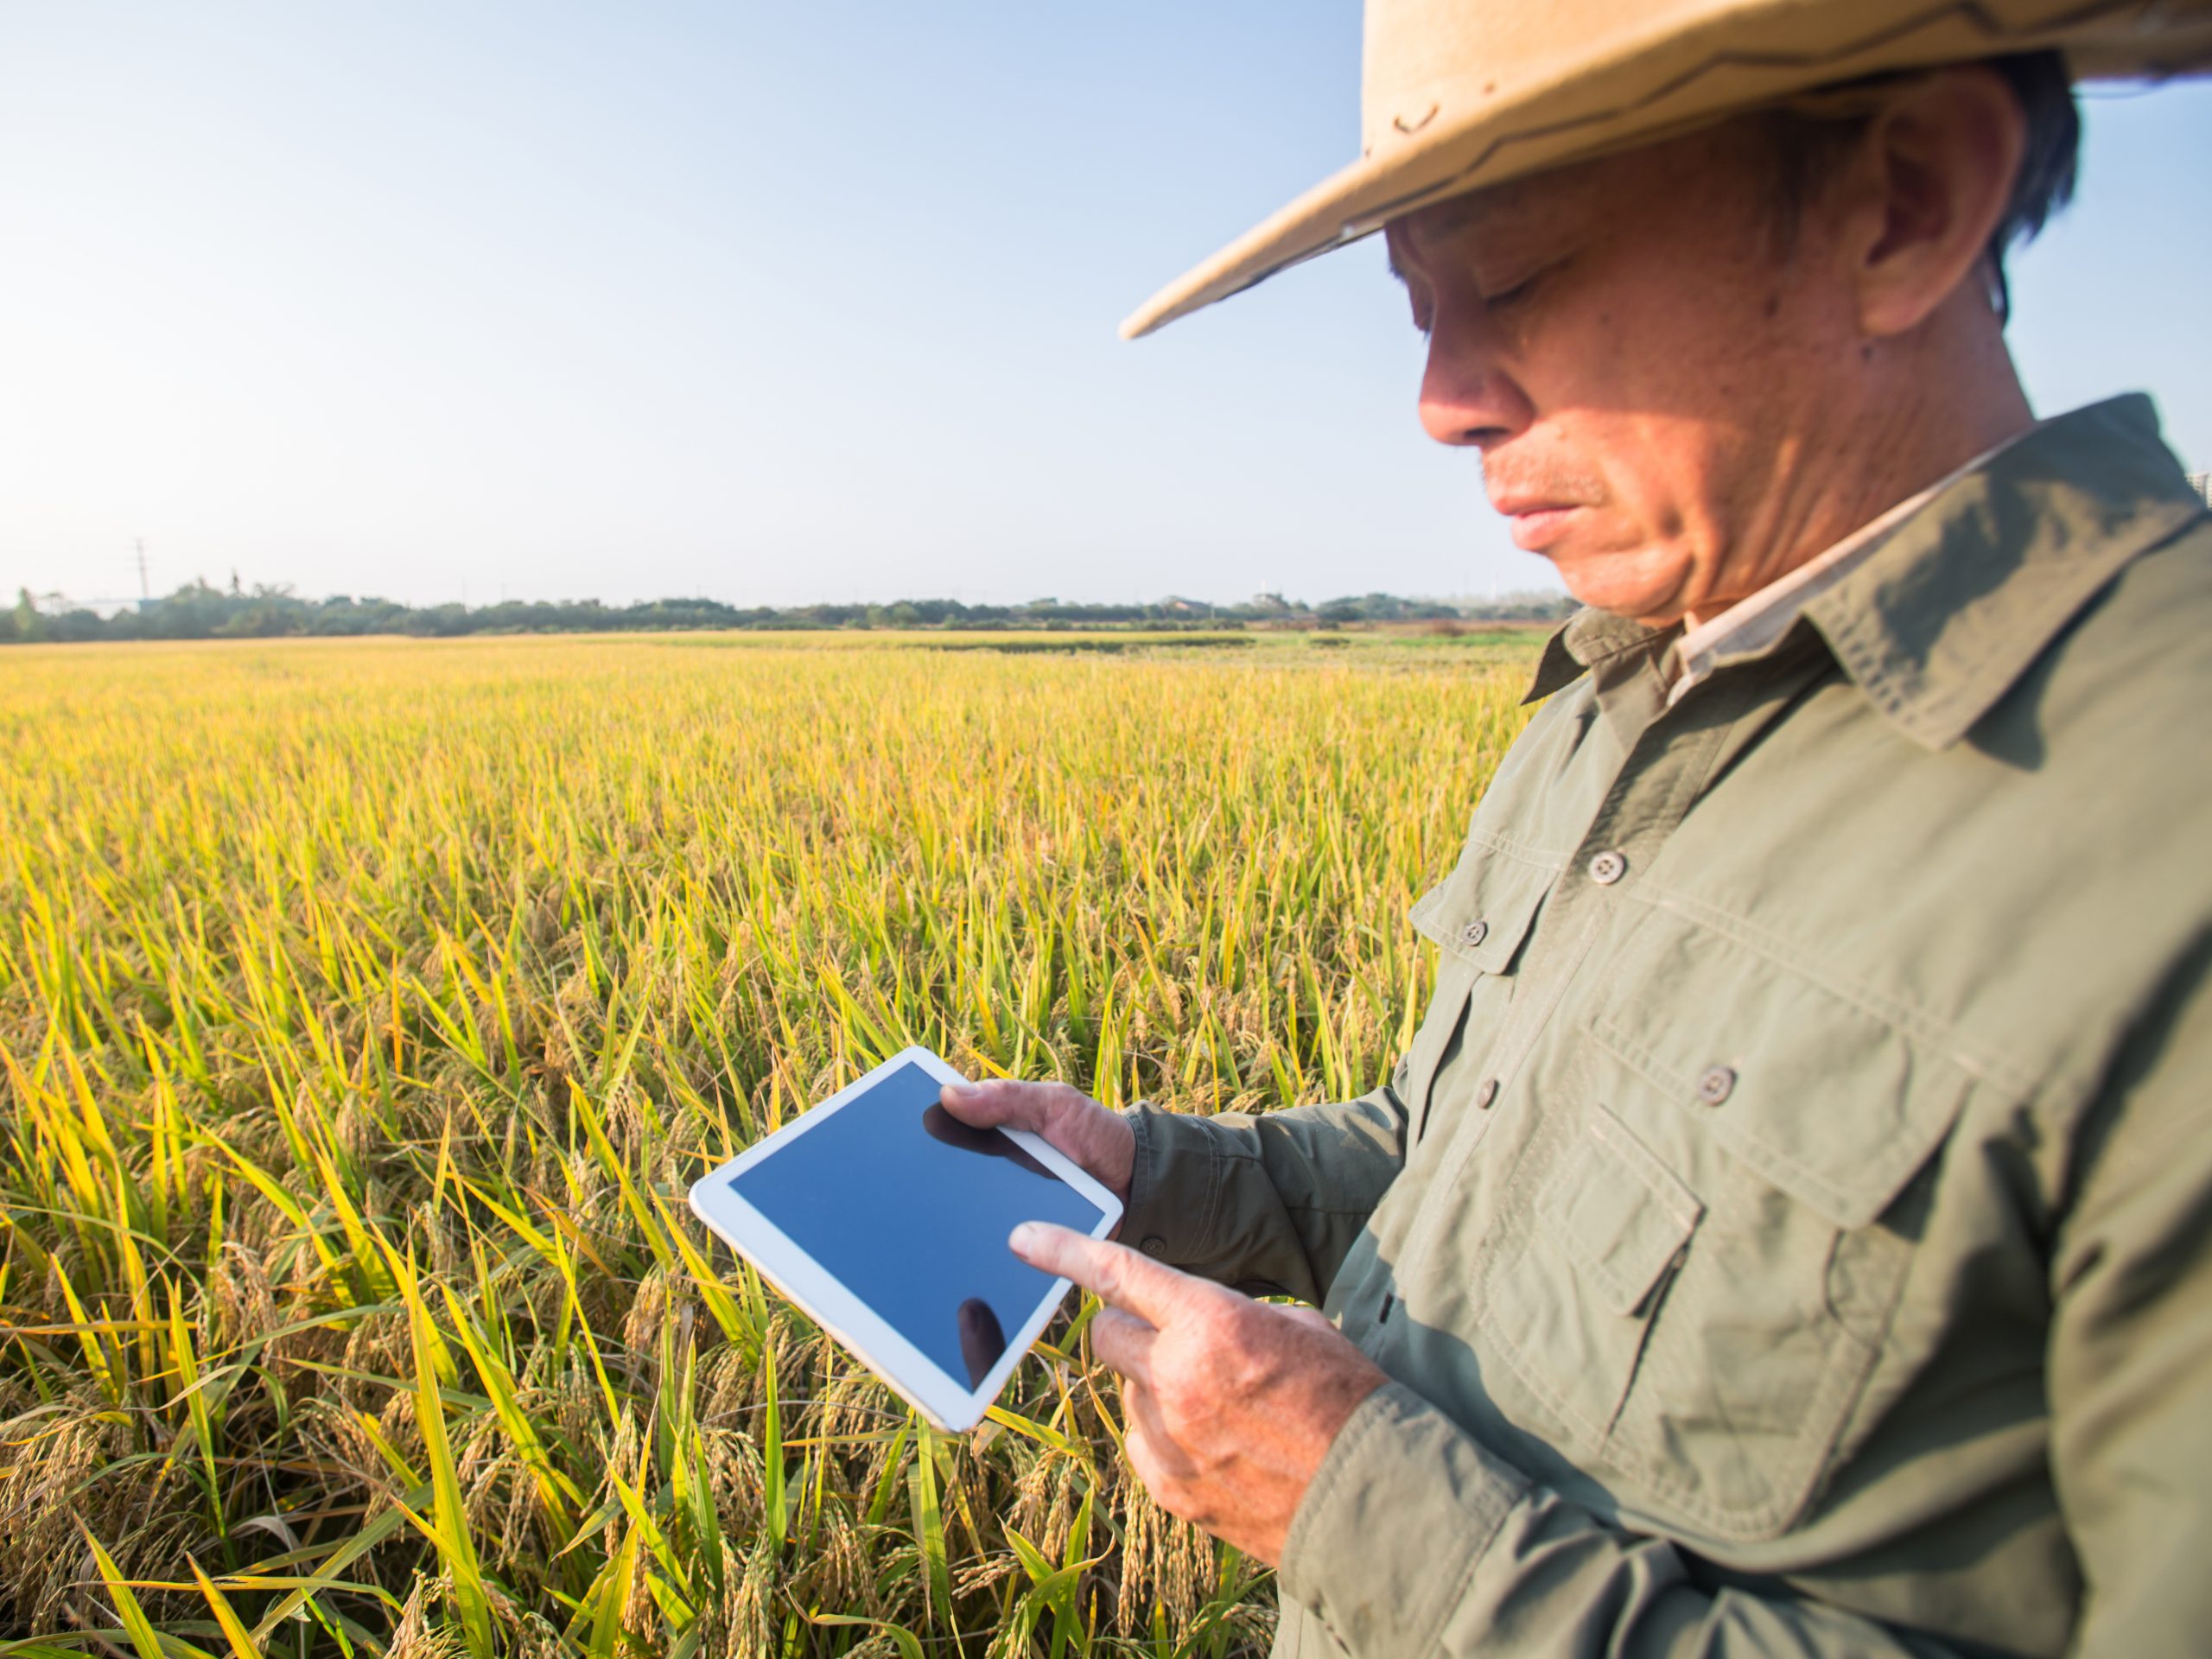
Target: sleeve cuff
1397, 1517
1174, 1185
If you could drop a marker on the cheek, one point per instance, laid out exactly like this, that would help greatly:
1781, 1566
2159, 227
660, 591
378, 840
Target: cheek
1645, 552
1676, 349
1675, 400
1673, 467
1646, 467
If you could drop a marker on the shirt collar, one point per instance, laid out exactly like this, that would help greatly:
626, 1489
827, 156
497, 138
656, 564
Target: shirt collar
1748, 627
1587, 639
1944, 603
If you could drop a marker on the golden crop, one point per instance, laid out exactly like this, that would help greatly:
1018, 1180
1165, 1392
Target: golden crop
366, 1009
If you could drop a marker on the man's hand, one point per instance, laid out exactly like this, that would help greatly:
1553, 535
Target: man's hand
1231, 1404
1101, 1143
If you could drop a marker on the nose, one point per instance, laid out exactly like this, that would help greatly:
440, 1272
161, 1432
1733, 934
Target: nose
1467, 398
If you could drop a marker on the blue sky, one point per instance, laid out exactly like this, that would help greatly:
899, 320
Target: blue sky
783, 303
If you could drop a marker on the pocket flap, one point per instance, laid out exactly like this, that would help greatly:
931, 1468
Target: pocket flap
1831, 1101
1620, 1214
1483, 910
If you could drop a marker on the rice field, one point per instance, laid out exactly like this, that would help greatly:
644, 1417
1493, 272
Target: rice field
366, 1008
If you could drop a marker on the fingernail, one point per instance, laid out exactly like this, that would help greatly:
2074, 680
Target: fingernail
1025, 1238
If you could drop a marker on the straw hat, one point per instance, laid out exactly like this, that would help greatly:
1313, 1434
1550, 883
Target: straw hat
1456, 95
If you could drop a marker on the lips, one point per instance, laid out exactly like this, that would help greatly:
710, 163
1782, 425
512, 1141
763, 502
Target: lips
1515, 506
1536, 523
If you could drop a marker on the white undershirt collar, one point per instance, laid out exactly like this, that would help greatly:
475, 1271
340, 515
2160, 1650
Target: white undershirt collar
1753, 624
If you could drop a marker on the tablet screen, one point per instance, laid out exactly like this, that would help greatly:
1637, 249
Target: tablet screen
911, 1208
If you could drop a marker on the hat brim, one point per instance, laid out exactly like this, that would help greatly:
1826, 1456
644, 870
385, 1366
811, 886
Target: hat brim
1641, 89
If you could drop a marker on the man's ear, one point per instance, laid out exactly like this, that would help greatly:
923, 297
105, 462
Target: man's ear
1934, 175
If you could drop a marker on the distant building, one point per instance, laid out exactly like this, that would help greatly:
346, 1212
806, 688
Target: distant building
2202, 483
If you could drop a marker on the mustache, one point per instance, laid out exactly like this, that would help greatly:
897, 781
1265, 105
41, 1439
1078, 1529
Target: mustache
1511, 486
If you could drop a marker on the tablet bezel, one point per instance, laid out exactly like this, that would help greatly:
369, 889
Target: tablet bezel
948, 1402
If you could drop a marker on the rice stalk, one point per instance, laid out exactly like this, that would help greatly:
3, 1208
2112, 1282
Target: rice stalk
366, 1008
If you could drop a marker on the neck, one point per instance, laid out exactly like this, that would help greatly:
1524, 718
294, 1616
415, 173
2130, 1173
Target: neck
1915, 411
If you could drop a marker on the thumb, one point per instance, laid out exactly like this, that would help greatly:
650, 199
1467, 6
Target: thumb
1004, 1103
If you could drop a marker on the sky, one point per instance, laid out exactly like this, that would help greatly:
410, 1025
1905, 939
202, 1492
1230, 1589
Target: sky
779, 304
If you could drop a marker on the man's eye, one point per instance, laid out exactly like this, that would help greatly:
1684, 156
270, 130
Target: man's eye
1505, 298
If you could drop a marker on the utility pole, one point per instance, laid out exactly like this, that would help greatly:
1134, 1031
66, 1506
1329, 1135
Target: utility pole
145, 593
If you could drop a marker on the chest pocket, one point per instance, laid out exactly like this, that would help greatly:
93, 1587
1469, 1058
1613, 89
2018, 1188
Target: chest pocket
1478, 917
1704, 1257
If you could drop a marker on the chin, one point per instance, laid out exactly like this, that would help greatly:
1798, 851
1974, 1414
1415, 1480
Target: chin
1655, 604
1625, 585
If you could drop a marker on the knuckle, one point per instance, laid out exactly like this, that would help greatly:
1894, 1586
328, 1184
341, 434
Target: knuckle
1219, 1321
1144, 1460
1109, 1335
1182, 1498
1062, 1103
1246, 1356
1113, 1280
1185, 1397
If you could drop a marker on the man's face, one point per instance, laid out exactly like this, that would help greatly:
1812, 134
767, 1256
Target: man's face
1643, 359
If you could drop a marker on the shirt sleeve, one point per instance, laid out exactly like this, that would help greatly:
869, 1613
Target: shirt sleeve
2130, 1370
1269, 1202
1415, 1538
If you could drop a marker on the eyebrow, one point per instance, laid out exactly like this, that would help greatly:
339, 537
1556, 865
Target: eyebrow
1452, 213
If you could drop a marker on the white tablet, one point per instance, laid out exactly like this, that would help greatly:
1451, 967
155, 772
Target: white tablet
885, 1218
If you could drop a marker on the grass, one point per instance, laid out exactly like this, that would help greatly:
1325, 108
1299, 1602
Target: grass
365, 1009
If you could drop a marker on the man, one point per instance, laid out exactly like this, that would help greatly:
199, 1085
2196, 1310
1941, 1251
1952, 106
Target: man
1791, 1231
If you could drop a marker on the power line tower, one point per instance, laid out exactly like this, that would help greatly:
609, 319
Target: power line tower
145, 593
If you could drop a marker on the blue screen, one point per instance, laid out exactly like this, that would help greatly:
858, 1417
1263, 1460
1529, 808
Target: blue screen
911, 1209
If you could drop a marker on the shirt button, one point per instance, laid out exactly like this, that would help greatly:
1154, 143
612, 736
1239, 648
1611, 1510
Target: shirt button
1486, 1094
1474, 932
1608, 867
1153, 1245
1715, 1084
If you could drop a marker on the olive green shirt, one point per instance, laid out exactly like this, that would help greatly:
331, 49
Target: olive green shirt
1791, 1231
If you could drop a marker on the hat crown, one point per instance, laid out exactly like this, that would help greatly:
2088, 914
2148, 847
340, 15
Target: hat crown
1424, 62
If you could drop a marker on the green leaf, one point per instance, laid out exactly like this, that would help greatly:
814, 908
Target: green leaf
459, 1553
772, 1459
929, 1526
344, 1556
134, 1619
614, 1586
910, 1645
233, 1627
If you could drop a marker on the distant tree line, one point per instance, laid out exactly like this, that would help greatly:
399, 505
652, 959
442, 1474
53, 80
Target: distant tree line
199, 611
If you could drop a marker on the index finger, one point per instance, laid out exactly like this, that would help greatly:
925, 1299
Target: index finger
1117, 1275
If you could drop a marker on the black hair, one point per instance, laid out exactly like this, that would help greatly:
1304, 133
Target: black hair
1808, 141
